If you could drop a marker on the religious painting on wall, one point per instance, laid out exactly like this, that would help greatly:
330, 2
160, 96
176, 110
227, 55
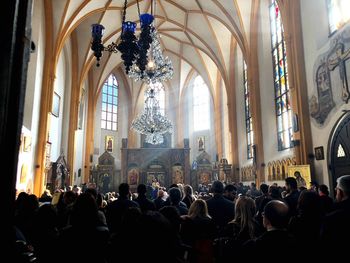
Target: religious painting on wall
27, 143
47, 156
204, 178
201, 141
222, 176
178, 177
155, 179
301, 173
24, 173
331, 78
133, 176
109, 141
319, 153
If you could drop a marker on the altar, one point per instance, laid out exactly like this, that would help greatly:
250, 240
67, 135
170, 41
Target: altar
155, 163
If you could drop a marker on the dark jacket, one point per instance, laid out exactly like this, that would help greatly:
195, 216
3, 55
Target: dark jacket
221, 210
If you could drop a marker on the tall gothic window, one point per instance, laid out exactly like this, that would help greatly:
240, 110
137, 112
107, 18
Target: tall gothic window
282, 95
109, 113
201, 107
338, 14
248, 115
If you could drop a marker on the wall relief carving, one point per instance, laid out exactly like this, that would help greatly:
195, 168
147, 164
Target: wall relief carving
331, 78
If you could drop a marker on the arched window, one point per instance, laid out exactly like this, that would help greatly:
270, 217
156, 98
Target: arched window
109, 112
201, 108
282, 95
338, 14
248, 115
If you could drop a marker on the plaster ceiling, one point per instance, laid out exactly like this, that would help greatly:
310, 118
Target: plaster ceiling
198, 33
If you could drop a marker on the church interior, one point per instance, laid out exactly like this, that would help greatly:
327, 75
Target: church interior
102, 93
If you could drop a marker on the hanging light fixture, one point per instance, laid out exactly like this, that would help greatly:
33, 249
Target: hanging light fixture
132, 49
151, 122
143, 57
158, 69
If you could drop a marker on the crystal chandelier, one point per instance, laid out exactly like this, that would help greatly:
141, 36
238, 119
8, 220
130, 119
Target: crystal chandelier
158, 69
151, 122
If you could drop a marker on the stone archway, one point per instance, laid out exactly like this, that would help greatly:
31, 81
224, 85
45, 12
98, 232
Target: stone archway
339, 150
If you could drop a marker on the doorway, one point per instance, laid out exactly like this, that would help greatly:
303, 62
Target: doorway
339, 150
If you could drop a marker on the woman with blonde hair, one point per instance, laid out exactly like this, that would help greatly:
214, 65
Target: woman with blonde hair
199, 209
188, 195
198, 231
242, 228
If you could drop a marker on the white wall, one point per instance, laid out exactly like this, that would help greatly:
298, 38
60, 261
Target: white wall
79, 139
189, 132
55, 135
316, 42
122, 132
32, 98
225, 134
67, 96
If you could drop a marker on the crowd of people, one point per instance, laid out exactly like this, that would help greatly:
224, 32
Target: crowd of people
181, 225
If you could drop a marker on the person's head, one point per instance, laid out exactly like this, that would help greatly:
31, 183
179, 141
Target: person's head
291, 183
274, 192
188, 190
124, 190
297, 174
314, 186
198, 209
217, 187
160, 193
275, 215
309, 203
343, 188
264, 188
230, 192
323, 189
141, 189
175, 195
244, 209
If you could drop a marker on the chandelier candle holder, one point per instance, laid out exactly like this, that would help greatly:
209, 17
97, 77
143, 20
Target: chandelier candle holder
158, 69
132, 49
151, 122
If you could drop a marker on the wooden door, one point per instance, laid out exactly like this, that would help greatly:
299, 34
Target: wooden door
339, 153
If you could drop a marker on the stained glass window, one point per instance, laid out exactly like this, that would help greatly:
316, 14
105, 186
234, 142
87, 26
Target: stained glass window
248, 116
282, 96
109, 111
338, 14
201, 107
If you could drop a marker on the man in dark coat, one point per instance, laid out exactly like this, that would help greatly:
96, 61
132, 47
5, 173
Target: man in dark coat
220, 209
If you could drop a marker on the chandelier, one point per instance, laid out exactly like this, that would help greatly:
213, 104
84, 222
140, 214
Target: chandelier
143, 57
158, 69
151, 121
132, 49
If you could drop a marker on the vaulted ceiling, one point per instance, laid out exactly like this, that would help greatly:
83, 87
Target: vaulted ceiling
195, 34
